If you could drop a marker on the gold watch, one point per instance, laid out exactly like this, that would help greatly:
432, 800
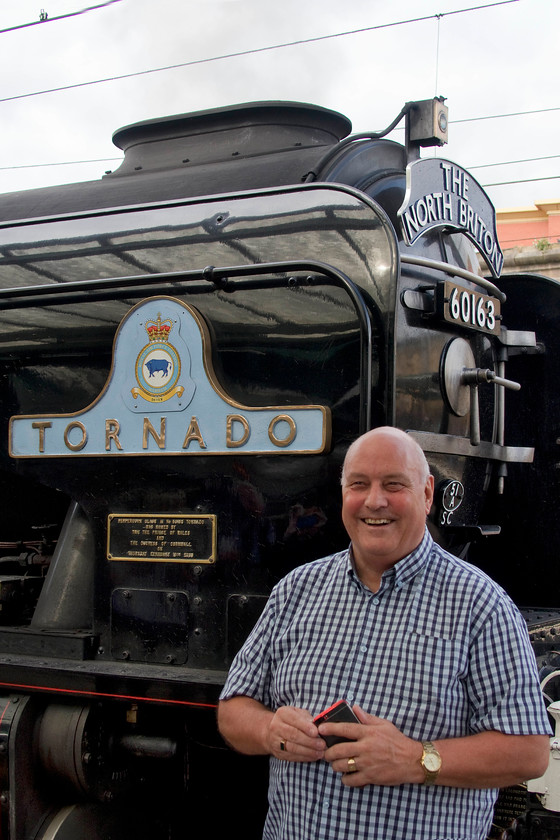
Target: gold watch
431, 762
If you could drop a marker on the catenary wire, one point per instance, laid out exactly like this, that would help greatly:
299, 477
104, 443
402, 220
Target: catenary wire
279, 46
512, 162
256, 50
60, 163
523, 181
44, 20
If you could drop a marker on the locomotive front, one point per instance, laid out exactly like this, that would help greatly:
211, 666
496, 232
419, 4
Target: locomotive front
188, 348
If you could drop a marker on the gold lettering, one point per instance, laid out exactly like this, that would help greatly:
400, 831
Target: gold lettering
149, 429
44, 424
112, 429
194, 433
291, 434
75, 447
236, 418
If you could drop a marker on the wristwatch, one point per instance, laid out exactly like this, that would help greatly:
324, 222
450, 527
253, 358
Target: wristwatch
430, 761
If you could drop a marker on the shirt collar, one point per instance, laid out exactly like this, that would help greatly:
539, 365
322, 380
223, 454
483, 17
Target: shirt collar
403, 571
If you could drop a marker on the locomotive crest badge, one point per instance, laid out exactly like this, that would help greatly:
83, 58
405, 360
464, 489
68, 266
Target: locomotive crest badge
158, 365
162, 397
154, 345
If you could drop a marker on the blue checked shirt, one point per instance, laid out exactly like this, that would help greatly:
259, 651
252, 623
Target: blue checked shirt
440, 651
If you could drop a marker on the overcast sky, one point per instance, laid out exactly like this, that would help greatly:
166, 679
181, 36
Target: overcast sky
498, 59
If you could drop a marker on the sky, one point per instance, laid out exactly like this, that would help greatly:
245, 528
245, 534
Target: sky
496, 63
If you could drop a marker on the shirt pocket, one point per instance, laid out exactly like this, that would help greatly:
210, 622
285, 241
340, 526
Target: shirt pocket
431, 687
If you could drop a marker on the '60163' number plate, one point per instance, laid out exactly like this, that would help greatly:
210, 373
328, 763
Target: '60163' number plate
469, 309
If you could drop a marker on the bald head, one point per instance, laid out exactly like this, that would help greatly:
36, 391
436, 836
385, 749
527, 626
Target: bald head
387, 492
390, 434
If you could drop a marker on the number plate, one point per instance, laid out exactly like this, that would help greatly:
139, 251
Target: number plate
465, 308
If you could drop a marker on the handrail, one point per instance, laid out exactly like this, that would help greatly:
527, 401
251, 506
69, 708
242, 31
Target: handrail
456, 272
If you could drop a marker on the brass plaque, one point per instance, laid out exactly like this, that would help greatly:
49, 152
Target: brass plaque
163, 538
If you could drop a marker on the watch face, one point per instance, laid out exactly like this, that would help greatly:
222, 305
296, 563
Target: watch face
432, 762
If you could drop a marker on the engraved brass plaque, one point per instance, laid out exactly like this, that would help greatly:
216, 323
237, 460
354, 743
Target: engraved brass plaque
163, 538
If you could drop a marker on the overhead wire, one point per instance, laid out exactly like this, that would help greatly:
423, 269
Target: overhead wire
60, 163
512, 162
438, 33
46, 19
523, 181
489, 117
513, 114
255, 50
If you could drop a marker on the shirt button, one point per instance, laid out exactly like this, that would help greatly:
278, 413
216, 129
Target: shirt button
326, 804
363, 648
376, 601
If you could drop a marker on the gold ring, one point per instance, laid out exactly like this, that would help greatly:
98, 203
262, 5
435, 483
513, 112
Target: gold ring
283, 746
352, 766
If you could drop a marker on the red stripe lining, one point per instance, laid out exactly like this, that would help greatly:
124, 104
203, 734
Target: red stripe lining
103, 694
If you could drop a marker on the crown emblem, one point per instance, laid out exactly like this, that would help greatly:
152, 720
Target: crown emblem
159, 330
158, 364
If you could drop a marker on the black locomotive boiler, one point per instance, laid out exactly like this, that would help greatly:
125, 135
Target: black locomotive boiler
187, 348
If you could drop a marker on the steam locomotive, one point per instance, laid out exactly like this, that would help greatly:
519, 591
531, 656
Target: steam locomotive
188, 347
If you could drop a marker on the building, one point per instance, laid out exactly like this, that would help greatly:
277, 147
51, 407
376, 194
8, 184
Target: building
530, 238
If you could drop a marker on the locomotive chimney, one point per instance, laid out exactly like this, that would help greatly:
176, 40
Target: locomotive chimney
226, 134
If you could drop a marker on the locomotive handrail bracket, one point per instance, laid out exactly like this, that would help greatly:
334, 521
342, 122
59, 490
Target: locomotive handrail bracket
454, 445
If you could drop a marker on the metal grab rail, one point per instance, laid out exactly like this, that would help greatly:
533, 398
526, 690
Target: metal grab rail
455, 271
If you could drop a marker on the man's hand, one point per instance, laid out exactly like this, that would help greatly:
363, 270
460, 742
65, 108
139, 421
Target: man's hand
288, 734
292, 736
383, 755
380, 754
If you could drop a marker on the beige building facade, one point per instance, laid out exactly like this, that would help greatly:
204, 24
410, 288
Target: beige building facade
530, 238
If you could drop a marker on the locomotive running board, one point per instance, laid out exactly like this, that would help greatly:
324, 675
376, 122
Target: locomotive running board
453, 445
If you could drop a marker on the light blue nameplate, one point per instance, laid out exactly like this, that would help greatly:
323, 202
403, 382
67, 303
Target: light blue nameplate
163, 398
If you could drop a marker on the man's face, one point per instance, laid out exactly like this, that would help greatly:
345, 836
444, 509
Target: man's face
385, 500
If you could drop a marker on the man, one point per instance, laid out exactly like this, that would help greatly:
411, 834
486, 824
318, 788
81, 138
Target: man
431, 652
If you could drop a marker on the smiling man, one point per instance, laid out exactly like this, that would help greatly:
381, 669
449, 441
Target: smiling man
432, 654
387, 493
